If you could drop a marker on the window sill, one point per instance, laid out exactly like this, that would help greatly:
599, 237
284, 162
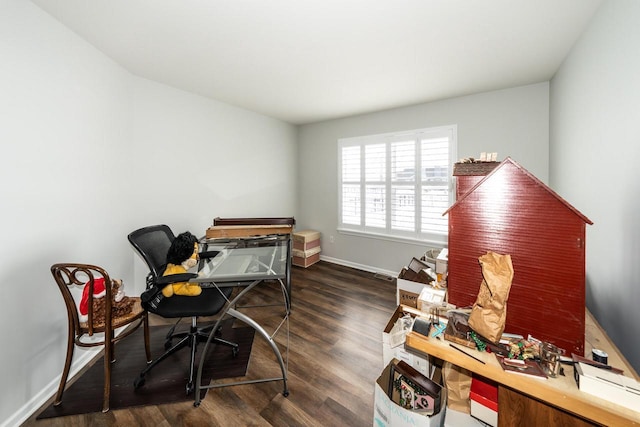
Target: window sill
439, 242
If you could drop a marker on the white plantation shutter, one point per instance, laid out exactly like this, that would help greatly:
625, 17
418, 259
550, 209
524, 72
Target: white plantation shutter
397, 185
351, 197
435, 183
403, 185
375, 168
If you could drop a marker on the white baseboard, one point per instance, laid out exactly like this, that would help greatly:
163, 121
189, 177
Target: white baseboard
358, 266
38, 400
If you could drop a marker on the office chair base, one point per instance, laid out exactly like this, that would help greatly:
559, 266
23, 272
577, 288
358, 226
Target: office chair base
190, 339
140, 381
202, 334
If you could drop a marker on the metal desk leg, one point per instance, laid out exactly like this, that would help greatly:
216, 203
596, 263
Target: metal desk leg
288, 272
231, 311
249, 321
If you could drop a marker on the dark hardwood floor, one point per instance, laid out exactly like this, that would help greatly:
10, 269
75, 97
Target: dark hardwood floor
334, 358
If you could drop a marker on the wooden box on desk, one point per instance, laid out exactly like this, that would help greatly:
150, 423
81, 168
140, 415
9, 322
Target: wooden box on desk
240, 231
229, 228
510, 211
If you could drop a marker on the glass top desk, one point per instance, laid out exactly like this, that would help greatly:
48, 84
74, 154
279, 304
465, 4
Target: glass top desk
245, 259
247, 263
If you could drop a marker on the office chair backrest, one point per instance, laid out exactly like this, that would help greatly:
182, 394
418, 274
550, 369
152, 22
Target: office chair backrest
152, 243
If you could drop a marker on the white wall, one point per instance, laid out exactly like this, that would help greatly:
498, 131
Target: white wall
194, 159
220, 160
595, 153
513, 122
84, 148
64, 114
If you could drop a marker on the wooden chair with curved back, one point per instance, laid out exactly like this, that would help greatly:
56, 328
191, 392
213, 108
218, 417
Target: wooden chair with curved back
81, 331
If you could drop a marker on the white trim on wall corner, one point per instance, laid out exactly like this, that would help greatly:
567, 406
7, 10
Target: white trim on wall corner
47, 392
358, 266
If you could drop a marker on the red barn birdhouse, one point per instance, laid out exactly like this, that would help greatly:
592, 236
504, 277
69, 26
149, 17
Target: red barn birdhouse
510, 211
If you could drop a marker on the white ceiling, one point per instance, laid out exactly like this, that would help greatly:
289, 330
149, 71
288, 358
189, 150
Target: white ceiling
304, 61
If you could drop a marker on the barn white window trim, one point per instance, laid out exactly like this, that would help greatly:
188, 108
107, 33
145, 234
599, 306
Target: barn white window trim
396, 186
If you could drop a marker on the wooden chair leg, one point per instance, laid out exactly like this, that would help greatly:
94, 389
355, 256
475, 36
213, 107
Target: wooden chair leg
108, 351
67, 367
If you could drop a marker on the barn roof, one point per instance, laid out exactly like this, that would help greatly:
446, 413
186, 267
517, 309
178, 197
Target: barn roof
505, 163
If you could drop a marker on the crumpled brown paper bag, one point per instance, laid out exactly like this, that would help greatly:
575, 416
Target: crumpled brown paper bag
489, 312
457, 381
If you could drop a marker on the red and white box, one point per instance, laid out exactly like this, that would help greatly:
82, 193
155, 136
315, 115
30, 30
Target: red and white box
484, 400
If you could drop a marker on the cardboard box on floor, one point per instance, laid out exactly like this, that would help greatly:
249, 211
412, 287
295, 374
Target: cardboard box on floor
392, 351
407, 292
306, 258
306, 239
460, 419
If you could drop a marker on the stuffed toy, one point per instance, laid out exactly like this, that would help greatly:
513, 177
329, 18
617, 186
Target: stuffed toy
120, 306
182, 255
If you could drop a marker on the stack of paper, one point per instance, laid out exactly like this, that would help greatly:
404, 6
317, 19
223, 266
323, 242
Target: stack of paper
607, 385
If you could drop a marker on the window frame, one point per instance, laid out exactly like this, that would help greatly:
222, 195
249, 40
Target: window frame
415, 236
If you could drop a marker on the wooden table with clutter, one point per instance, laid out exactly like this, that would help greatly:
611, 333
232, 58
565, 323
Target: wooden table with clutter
524, 400
546, 301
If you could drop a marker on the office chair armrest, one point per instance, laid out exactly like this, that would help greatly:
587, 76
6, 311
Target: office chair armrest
175, 278
208, 254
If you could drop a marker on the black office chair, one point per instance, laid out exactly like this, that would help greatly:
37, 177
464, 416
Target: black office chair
152, 243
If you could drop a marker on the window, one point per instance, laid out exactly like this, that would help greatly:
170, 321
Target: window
397, 185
